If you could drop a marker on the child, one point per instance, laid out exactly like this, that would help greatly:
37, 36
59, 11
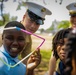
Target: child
58, 48
70, 48
13, 44
72, 14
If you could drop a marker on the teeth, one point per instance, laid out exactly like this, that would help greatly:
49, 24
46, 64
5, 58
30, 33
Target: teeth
14, 49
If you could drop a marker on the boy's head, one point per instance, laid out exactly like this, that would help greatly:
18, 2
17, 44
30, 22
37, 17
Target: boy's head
13, 39
58, 43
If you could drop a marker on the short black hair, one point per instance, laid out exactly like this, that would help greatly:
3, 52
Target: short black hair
14, 24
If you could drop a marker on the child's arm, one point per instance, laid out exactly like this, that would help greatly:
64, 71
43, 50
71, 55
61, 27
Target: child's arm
52, 65
33, 62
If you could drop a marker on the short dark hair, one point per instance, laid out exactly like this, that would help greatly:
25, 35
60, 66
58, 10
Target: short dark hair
14, 24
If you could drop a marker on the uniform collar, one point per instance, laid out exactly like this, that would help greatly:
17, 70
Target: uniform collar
2, 49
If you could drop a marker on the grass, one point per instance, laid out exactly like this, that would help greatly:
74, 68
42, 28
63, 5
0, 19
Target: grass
43, 67
45, 52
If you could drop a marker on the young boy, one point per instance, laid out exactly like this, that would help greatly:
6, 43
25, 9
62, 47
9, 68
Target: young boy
13, 44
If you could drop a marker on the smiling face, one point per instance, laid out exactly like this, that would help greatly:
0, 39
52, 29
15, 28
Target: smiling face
13, 41
60, 49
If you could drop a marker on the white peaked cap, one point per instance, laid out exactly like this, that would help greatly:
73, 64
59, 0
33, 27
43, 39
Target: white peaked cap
71, 7
38, 9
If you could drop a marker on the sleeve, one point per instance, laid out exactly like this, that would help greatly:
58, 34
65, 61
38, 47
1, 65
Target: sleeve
3, 66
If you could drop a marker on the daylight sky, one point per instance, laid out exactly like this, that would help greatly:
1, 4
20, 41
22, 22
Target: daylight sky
59, 12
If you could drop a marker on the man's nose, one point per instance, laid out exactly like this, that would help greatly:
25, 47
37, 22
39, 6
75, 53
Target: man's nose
33, 24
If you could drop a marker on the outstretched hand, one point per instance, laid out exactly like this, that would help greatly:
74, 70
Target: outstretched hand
34, 60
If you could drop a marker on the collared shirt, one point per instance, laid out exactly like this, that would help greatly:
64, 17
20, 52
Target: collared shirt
27, 48
20, 69
60, 70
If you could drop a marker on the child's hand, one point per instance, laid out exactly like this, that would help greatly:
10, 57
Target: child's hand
34, 60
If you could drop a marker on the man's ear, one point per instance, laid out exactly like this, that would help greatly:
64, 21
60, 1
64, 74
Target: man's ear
2, 36
24, 17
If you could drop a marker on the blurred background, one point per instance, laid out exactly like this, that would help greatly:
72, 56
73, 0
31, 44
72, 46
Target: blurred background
11, 10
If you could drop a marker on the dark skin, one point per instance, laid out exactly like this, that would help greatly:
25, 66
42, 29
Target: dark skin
13, 41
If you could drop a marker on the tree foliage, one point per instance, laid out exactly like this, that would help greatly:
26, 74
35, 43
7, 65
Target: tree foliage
56, 26
41, 30
59, 2
63, 24
7, 19
51, 28
20, 4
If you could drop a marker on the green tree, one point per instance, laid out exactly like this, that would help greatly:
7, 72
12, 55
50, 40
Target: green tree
41, 30
20, 4
13, 18
51, 28
59, 2
63, 24
57, 25
7, 19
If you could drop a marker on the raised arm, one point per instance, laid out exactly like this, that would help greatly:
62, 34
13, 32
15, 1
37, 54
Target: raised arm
52, 65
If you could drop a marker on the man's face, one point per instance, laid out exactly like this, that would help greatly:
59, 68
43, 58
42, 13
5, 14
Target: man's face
29, 24
13, 41
60, 49
73, 21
